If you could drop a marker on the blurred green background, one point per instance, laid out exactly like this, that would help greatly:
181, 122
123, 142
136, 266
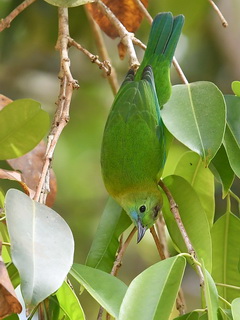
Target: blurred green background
29, 66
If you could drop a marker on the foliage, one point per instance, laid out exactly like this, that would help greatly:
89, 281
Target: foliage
203, 139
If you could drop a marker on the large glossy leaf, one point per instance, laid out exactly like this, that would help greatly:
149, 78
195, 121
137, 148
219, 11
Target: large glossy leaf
193, 217
68, 3
23, 124
191, 114
189, 316
105, 288
233, 150
113, 222
192, 169
68, 303
42, 246
222, 170
236, 309
210, 295
226, 255
233, 115
176, 150
152, 294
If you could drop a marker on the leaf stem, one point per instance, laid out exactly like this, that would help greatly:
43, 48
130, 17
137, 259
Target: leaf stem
227, 286
225, 301
219, 13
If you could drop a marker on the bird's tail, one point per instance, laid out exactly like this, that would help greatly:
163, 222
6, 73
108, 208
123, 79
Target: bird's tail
162, 42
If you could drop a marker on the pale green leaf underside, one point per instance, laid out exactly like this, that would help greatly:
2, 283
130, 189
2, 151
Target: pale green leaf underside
42, 246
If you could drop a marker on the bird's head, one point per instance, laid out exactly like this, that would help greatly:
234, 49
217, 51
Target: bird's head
143, 210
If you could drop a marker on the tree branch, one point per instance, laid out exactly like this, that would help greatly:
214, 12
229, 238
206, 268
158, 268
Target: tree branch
126, 37
177, 217
61, 118
112, 77
5, 23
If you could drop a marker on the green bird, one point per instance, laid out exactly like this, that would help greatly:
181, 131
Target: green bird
133, 148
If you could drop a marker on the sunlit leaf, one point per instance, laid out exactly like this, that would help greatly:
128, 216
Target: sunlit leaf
236, 309
192, 169
236, 87
193, 217
152, 294
105, 243
5, 238
23, 124
191, 114
105, 288
68, 3
226, 240
42, 246
69, 303
222, 170
210, 295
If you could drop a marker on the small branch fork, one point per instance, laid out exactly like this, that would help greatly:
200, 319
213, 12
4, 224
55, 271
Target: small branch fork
61, 118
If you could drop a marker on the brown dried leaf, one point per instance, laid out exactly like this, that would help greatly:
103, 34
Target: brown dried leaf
4, 101
16, 176
127, 11
8, 300
30, 165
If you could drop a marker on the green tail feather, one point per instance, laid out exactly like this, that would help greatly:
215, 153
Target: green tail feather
163, 39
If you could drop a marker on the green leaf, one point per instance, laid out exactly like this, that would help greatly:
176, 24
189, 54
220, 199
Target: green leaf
211, 295
69, 303
105, 288
226, 240
236, 87
191, 114
152, 294
226, 314
177, 149
192, 169
5, 237
236, 308
23, 125
233, 150
68, 3
233, 115
189, 316
1, 198
105, 244
222, 170
193, 217
13, 275
42, 246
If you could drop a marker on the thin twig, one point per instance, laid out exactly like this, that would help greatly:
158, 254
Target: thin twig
118, 261
126, 37
112, 77
227, 286
219, 13
177, 217
158, 244
5, 23
105, 65
61, 118
150, 20
160, 226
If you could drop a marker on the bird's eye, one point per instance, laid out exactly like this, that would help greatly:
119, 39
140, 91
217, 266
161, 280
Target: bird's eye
142, 209
156, 211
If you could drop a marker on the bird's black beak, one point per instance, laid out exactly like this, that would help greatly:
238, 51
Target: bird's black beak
141, 231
